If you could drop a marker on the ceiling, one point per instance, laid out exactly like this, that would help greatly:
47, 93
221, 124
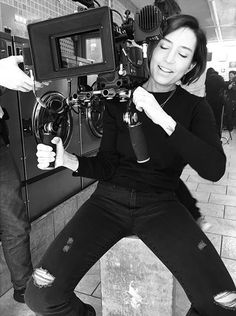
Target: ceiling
217, 17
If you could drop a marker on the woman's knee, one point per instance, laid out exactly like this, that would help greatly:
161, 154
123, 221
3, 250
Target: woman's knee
226, 301
223, 304
40, 293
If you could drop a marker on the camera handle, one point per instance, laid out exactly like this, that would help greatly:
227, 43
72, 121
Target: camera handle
137, 136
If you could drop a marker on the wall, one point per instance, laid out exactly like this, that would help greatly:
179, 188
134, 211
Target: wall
29, 11
223, 58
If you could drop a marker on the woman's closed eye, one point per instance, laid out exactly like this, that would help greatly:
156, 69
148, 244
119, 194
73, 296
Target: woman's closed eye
163, 46
183, 55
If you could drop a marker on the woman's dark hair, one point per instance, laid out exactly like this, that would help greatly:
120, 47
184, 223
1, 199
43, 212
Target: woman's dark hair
174, 23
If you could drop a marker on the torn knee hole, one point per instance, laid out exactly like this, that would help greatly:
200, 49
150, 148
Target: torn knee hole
226, 299
42, 278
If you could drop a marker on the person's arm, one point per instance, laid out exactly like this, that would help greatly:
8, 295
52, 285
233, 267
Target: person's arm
12, 77
200, 146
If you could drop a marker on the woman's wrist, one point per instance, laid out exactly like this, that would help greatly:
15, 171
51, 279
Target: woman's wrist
168, 125
71, 161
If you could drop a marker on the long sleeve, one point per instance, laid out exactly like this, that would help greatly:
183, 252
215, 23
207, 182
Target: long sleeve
103, 165
200, 145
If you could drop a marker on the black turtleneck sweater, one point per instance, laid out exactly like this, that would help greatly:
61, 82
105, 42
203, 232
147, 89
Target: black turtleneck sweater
194, 141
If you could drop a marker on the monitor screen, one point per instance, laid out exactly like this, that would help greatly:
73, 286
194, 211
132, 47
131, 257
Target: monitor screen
80, 49
74, 45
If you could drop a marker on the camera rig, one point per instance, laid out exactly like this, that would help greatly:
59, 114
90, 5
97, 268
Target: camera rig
89, 43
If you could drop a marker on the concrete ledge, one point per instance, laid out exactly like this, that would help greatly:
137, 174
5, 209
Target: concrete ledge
134, 282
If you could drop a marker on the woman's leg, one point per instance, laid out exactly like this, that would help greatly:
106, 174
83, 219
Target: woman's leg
170, 232
91, 232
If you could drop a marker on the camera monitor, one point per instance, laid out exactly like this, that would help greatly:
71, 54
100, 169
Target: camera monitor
78, 44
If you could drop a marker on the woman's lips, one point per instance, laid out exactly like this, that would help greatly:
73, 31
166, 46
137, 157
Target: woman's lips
165, 70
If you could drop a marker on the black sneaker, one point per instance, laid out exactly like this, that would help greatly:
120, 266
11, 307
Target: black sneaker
19, 295
90, 310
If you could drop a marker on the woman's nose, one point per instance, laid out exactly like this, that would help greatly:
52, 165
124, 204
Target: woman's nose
170, 57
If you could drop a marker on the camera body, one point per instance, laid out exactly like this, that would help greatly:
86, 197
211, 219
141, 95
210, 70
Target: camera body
89, 42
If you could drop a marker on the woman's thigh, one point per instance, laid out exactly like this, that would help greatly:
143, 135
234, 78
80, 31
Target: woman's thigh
90, 233
170, 232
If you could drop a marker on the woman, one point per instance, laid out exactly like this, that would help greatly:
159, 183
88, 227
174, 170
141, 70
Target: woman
133, 198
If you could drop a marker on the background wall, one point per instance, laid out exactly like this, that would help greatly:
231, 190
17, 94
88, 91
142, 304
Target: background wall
15, 14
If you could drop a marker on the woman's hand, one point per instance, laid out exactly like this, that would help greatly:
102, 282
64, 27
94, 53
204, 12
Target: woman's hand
46, 155
62, 158
145, 101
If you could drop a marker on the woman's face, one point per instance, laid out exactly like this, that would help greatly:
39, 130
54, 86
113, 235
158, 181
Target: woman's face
172, 58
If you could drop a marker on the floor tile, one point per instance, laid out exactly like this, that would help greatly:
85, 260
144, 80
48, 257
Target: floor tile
198, 179
231, 190
230, 212
222, 226
231, 267
226, 181
223, 199
201, 196
211, 209
8, 307
88, 284
216, 241
95, 302
229, 247
192, 185
232, 175
97, 292
212, 188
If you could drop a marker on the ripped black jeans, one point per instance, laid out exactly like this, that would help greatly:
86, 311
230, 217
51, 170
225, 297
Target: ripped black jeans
111, 213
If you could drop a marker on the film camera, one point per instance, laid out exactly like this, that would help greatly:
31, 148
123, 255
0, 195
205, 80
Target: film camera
90, 43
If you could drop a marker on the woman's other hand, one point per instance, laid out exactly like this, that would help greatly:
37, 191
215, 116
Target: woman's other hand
145, 101
62, 158
46, 155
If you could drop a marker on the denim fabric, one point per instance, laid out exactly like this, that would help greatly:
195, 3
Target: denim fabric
14, 224
111, 213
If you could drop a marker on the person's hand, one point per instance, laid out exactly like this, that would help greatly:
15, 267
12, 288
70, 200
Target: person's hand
46, 154
12, 77
145, 101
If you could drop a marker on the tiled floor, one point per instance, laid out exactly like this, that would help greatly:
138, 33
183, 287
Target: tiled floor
216, 200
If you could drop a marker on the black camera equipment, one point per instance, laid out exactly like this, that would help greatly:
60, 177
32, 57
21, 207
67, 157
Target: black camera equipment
89, 42
137, 136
